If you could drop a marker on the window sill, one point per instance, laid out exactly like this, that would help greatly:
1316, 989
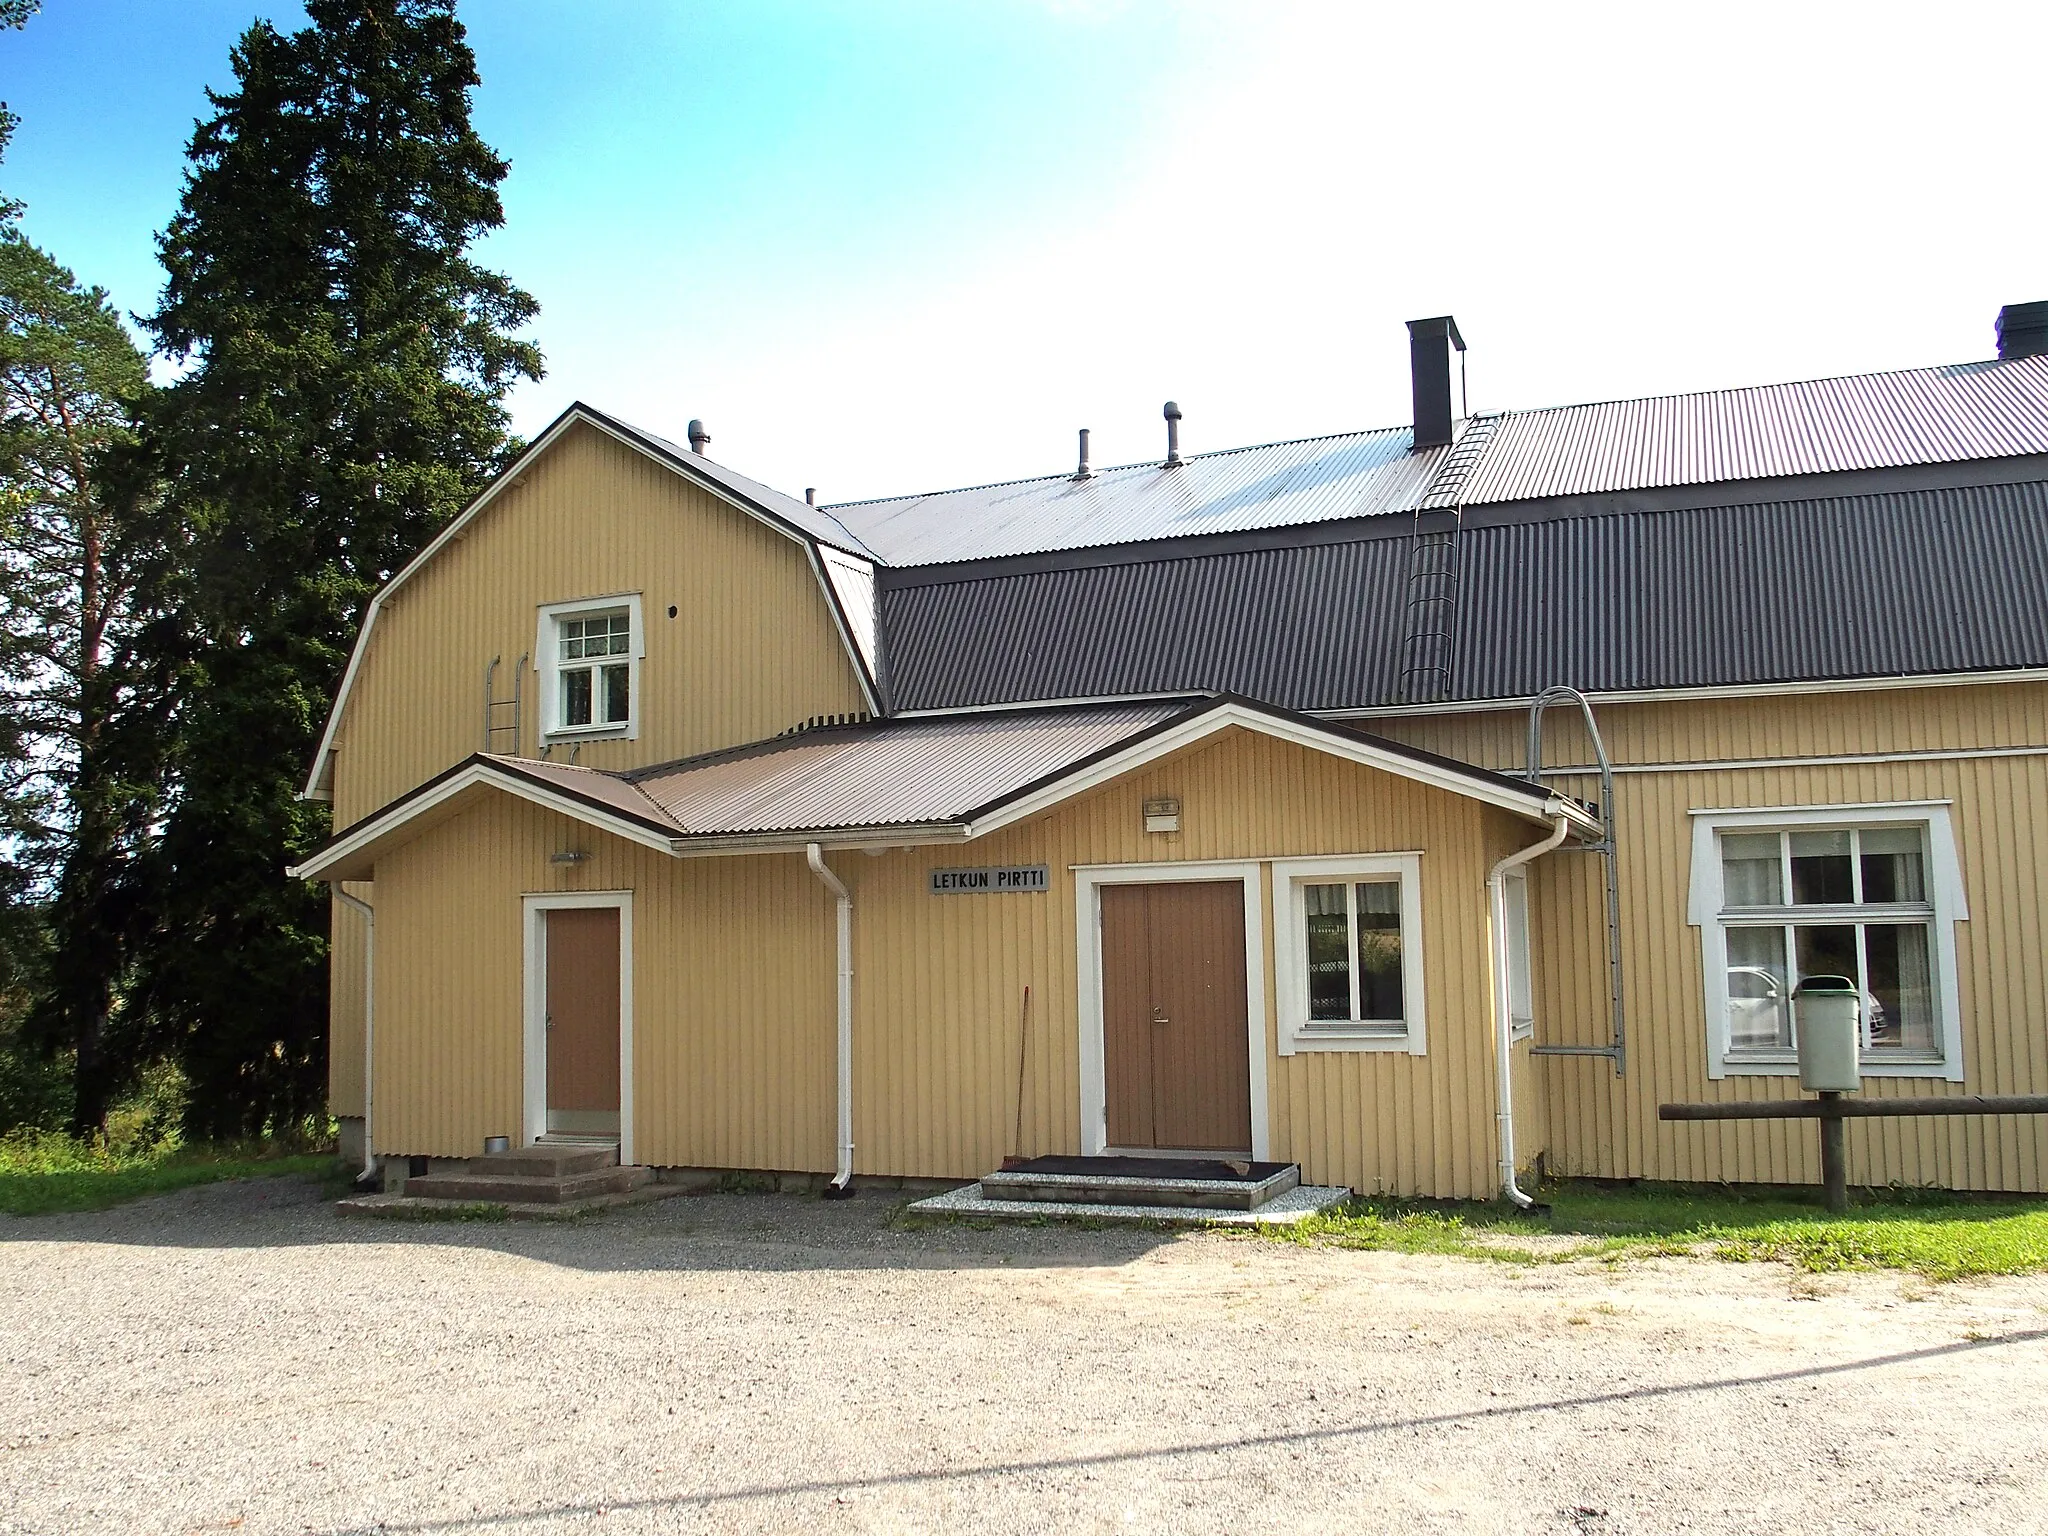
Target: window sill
587, 733
1788, 1066
1307, 1039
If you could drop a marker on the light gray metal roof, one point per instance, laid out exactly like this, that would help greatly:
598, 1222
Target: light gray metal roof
1967, 411
1278, 485
1819, 426
899, 774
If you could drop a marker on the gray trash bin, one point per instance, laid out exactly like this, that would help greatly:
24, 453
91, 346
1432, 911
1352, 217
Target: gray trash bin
1827, 1011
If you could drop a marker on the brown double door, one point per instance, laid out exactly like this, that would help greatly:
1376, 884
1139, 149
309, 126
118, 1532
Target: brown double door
583, 1020
1176, 1056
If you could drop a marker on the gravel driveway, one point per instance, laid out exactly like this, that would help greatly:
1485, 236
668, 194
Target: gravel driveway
240, 1358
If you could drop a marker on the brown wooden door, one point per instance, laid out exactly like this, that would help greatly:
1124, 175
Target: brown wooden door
1176, 1054
583, 1018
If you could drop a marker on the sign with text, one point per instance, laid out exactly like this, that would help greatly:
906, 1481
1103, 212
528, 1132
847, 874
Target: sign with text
992, 881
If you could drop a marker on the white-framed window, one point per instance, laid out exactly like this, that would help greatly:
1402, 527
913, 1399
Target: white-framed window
1870, 892
1521, 975
1348, 935
590, 653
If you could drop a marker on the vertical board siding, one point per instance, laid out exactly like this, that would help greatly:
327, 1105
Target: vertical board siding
752, 650
732, 992
1606, 1128
733, 982
939, 980
348, 949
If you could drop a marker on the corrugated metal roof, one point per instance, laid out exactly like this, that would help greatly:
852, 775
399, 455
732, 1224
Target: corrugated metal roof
1278, 485
902, 773
1820, 426
1985, 410
1901, 584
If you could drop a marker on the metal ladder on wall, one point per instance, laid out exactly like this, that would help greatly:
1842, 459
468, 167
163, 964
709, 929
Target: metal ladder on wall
502, 716
1616, 1050
1433, 568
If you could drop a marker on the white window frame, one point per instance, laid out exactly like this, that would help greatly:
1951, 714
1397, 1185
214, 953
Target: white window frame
547, 647
1945, 894
1521, 973
1290, 944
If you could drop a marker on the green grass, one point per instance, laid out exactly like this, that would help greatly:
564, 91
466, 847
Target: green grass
1939, 1235
43, 1172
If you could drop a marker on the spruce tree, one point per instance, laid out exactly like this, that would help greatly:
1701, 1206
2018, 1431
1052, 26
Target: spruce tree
345, 366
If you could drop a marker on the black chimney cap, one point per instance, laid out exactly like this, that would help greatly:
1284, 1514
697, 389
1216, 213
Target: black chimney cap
2023, 330
1438, 325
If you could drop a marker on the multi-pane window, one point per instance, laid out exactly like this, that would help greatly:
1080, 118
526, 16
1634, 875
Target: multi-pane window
594, 670
1348, 973
1835, 901
1353, 956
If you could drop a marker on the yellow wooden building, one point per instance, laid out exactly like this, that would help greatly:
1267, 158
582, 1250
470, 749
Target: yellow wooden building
1409, 805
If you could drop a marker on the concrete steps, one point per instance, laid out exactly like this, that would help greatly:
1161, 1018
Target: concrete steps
543, 1174
1180, 1183
1155, 1189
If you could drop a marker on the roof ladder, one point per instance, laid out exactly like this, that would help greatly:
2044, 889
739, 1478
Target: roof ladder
501, 716
1433, 568
1616, 1049
1432, 598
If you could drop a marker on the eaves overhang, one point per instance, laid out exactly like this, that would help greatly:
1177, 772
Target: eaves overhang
618, 804
351, 854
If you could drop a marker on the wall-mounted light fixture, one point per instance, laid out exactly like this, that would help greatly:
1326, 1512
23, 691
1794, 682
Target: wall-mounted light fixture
1162, 815
569, 856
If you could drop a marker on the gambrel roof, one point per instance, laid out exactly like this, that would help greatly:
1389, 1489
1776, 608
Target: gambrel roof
843, 566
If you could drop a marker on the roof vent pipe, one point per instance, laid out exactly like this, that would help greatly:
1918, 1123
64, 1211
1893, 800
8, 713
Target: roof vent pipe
1172, 434
810, 495
2023, 331
699, 438
1084, 472
1439, 396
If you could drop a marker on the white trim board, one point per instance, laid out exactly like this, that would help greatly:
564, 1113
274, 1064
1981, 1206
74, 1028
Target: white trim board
1088, 880
534, 1054
316, 787
1693, 695
1838, 759
489, 776
1208, 722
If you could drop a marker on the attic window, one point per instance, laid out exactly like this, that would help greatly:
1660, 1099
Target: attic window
590, 670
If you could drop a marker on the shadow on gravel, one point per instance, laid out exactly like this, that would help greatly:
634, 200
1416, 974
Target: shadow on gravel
505, 1520
688, 1232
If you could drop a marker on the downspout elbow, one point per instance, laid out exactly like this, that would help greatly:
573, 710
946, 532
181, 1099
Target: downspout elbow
1503, 1024
841, 1186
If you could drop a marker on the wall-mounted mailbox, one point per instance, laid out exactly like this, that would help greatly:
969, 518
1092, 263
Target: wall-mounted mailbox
1828, 1013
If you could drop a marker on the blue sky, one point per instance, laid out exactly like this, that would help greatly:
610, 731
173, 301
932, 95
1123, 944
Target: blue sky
914, 243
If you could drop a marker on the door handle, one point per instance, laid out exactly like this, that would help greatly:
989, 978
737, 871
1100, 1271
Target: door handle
1159, 1015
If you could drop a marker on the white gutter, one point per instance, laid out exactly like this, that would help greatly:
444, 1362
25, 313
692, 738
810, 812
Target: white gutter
842, 1180
369, 913
1503, 1025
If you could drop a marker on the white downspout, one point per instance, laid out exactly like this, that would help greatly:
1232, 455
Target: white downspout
1503, 1024
356, 903
842, 1181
